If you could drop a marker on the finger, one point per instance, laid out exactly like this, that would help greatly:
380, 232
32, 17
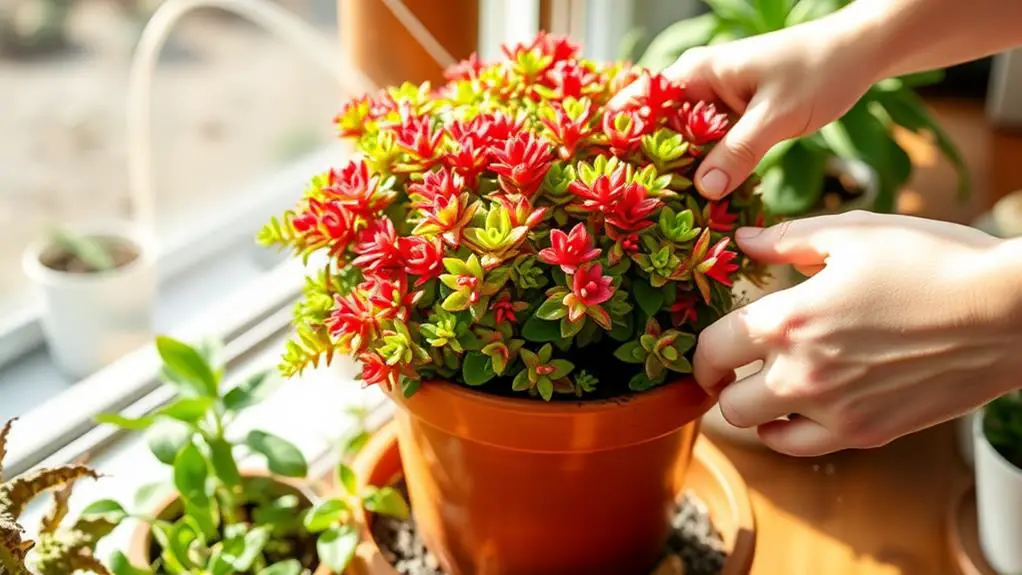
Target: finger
805, 242
749, 402
800, 437
738, 339
736, 155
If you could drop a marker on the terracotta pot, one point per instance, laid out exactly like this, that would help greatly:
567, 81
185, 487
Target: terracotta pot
142, 538
711, 476
517, 486
378, 44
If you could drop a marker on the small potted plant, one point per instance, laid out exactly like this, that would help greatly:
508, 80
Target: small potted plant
997, 433
58, 551
251, 520
97, 291
524, 272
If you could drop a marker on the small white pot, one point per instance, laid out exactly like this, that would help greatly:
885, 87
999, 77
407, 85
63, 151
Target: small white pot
999, 504
91, 320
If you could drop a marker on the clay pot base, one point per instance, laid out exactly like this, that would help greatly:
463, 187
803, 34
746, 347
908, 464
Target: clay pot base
695, 546
711, 480
963, 534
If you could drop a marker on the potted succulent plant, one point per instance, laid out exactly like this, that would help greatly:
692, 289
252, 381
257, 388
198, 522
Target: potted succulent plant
997, 433
97, 289
58, 551
525, 272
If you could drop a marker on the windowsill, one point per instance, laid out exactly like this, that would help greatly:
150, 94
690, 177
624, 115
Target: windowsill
200, 263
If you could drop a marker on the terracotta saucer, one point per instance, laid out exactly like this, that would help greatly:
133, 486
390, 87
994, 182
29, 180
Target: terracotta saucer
711, 477
963, 534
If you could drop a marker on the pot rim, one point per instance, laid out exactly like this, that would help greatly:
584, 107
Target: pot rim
142, 240
554, 427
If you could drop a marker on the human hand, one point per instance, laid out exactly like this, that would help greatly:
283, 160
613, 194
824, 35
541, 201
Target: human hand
784, 84
904, 323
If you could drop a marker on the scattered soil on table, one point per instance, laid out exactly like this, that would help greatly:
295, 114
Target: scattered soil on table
694, 546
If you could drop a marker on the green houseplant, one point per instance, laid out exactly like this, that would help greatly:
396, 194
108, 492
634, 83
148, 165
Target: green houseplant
798, 174
223, 520
503, 254
997, 451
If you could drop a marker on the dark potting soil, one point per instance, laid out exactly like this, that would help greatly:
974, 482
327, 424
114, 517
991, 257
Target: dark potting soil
838, 188
121, 252
693, 539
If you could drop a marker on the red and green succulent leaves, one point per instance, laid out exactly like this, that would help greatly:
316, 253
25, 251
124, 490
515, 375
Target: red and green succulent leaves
495, 227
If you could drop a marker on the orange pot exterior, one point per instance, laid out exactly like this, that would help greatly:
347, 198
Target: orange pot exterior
522, 487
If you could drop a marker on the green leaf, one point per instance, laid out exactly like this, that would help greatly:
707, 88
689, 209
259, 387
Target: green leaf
355, 444
630, 352
650, 299
286, 567
457, 301
181, 537
277, 512
772, 13
676, 39
908, 110
347, 478
134, 424
336, 547
190, 474
188, 409
282, 458
166, 439
221, 455
562, 368
202, 515
252, 547
385, 501
640, 382
324, 514
120, 565
540, 331
521, 381
193, 374
545, 387
410, 385
795, 186
570, 328
477, 368
552, 309
252, 391
105, 508
775, 154
925, 78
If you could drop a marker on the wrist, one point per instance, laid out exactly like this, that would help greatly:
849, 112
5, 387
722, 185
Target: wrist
862, 31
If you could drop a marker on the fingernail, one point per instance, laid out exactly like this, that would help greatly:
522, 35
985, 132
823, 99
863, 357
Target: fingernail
747, 233
714, 183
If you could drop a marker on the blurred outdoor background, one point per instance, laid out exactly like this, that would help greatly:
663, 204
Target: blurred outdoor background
231, 103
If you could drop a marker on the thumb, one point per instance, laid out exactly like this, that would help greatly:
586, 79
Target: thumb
735, 156
805, 242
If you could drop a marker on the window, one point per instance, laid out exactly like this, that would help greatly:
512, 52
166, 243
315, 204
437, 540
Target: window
240, 120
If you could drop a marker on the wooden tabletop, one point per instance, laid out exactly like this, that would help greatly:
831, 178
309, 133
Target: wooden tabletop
881, 511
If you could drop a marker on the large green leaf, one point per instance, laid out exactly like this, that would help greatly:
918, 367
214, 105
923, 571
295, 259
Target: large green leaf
772, 13
908, 110
188, 409
221, 455
541, 331
190, 473
282, 457
187, 368
252, 391
385, 501
478, 368
286, 567
795, 184
119, 565
166, 439
324, 515
677, 38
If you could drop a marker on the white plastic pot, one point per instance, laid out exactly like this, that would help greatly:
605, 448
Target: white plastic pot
92, 319
999, 504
